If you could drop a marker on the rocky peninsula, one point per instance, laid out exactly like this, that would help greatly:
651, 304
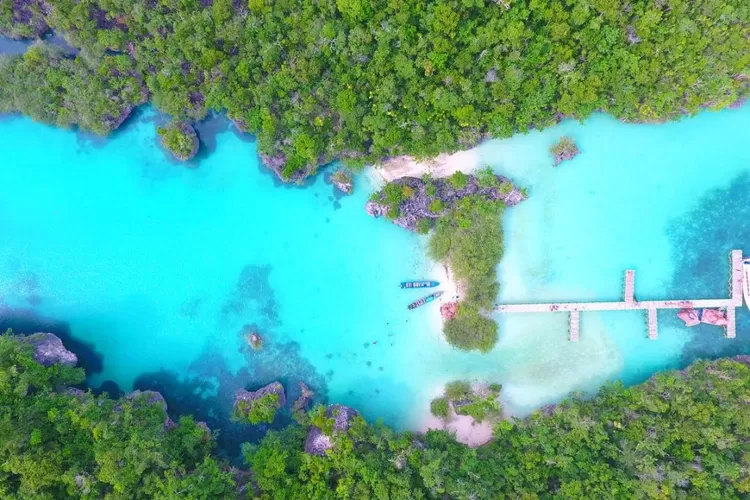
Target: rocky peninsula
416, 203
259, 406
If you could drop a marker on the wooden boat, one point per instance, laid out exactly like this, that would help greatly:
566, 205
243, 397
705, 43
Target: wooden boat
419, 284
425, 300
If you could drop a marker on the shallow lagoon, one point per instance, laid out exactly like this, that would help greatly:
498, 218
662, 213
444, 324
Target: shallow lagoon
155, 270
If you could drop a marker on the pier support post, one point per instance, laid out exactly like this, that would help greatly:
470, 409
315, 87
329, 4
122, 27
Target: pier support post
653, 331
575, 323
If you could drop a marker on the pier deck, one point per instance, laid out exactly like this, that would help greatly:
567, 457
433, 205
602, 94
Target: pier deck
630, 304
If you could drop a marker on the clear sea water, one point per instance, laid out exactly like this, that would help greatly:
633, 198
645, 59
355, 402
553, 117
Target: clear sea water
153, 272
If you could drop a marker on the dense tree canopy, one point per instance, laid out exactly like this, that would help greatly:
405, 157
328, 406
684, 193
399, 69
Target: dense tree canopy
679, 435
361, 80
59, 443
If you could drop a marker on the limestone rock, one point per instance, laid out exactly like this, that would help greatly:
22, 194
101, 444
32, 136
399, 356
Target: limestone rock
250, 396
49, 350
343, 181
417, 205
304, 398
317, 442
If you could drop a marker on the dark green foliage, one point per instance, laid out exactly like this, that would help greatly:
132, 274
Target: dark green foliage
458, 180
257, 411
679, 435
366, 80
180, 139
439, 407
424, 226
486, 178
65, 92
436, 205
458, 390
57, 443
470, 329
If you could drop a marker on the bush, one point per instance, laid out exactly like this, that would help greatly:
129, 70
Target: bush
436, 205
470, 330
458, 180
458, 390
486, 178
480, 408
440, 408
430, 189
424, 225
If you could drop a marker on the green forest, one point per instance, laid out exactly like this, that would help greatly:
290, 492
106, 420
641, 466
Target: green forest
359, 80
682, 434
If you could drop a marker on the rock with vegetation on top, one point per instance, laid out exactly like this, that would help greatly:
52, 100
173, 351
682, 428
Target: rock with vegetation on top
318, 442
259, 406
180, 139
49, 349
477, 400
415, 204
564, 150
304, 398
254, 340
343, 181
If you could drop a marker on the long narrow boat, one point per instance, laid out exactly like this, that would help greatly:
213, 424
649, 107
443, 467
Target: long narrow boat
746, 281
425, 300
419, 284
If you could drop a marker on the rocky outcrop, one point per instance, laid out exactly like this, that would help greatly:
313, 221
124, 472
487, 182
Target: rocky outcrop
304, 398
49, 350
564, 150
449, 310
417, 206
181, 140
27, 19
250, 396
317, 442
343, 181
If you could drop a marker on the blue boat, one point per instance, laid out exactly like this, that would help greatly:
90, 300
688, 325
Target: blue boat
419, 284
424, 300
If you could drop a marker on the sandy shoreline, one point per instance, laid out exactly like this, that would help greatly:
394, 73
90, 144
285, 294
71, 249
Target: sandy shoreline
441, 166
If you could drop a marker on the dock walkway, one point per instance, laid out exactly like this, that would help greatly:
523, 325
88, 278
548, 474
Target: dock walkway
651, 306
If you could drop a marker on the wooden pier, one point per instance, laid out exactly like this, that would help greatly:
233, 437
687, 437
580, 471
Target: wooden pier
629, 303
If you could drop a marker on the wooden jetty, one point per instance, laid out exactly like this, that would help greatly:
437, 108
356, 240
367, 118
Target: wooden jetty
629, 303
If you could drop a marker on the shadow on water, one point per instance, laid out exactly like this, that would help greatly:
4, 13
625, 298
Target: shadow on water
701, 241
208, 391
27, 321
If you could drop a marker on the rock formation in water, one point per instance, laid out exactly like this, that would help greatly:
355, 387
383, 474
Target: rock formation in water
49, 349
343, 181
304, 398
255, 406
564, 150
318, 442
180, 139
429, 199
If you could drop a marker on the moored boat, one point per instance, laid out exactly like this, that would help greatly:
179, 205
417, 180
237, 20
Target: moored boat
419, 284
425, 300
746, 281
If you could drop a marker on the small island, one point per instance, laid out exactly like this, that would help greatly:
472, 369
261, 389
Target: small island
342, 179
181, 139
478, 401
565, 149
259, 406
464, 213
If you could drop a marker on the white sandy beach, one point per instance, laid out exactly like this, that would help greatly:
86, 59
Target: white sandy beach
442, 166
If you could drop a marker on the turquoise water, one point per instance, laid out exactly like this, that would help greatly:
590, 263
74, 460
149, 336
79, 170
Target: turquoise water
154, 271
